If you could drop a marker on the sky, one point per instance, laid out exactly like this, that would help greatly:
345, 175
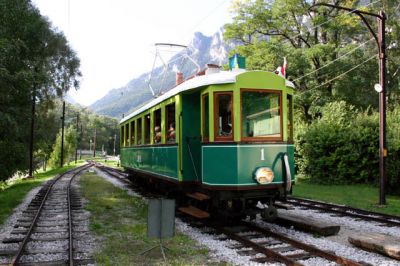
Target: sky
114, 39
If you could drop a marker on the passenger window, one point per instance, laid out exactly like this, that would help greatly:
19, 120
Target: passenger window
139, 131
206, 123
127, 134
147, 129
157, 126
223, 122
170, 115
122, 136
132, 132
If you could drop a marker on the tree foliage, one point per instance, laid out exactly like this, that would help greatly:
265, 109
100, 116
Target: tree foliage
36, 64
311, 39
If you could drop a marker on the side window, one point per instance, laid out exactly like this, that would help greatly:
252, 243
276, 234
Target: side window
122, 136
157, 126
139, 131
170, 116
290, 117
223, 120
147, 129
132, 133
127, 134
206, 122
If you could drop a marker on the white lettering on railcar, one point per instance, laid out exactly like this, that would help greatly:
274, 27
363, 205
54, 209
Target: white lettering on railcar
262, 155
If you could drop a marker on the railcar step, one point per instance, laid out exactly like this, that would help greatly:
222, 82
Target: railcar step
195, 212
198, 196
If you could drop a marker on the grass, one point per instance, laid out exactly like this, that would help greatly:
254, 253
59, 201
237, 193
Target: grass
12, 194
358, 196
119, 221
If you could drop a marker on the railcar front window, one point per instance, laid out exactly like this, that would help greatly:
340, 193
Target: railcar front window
261, 115
223, 122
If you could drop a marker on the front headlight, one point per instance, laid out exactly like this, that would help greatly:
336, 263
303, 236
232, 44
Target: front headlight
264, 175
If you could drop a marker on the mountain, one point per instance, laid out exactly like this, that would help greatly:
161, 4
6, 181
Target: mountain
202, 49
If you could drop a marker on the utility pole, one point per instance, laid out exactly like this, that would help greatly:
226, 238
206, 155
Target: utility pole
381, 88
115, 137
80, 139
30, 175
77, 137
62, 134
94, 143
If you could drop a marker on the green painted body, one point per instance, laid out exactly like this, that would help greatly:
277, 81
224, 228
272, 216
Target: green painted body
162, 160
235, 165
212, 163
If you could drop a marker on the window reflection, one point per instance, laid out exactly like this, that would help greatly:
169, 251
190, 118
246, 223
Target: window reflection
261, 114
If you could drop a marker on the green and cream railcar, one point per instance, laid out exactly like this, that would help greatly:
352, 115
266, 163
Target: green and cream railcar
227, 135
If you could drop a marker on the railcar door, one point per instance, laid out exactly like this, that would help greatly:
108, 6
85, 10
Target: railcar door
191, 137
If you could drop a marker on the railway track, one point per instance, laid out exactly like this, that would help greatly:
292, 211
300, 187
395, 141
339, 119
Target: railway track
266, 246
342, 210
46, 232
262, 244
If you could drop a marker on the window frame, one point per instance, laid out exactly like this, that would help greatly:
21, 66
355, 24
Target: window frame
261, 139
216, 111
127, 140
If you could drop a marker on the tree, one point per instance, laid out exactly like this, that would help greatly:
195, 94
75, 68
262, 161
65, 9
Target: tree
70, 145
311, 40
36, 65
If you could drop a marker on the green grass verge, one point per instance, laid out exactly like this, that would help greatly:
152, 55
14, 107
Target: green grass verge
12, 194
358, 196
119, 221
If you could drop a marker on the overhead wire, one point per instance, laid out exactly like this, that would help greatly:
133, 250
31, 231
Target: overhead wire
333, 61
339, 76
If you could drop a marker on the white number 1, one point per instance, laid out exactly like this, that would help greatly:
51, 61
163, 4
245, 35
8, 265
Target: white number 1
262, 155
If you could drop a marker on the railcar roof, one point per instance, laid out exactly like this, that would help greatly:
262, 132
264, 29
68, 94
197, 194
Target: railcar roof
223, 77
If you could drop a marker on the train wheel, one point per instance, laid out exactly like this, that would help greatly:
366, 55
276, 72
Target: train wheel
269, 214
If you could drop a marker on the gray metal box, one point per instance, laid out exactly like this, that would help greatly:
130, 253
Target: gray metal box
161, 218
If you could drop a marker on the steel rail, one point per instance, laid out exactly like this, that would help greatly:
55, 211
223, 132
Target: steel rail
346, 210
259, 248
309, 248
21, 248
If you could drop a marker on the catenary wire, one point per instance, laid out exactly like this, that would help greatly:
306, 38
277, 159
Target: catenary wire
333, 61
339, 76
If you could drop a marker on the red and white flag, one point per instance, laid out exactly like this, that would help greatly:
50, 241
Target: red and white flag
283, 69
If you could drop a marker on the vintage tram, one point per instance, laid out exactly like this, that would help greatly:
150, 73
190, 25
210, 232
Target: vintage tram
221, 138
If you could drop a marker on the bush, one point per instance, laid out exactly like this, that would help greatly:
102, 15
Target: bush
342, 146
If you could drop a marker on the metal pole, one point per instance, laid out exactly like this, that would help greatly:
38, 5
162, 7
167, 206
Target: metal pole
80, 139
115, 137
94, 143
380, 39
32, 132
77, 137
382, 108
62, 135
